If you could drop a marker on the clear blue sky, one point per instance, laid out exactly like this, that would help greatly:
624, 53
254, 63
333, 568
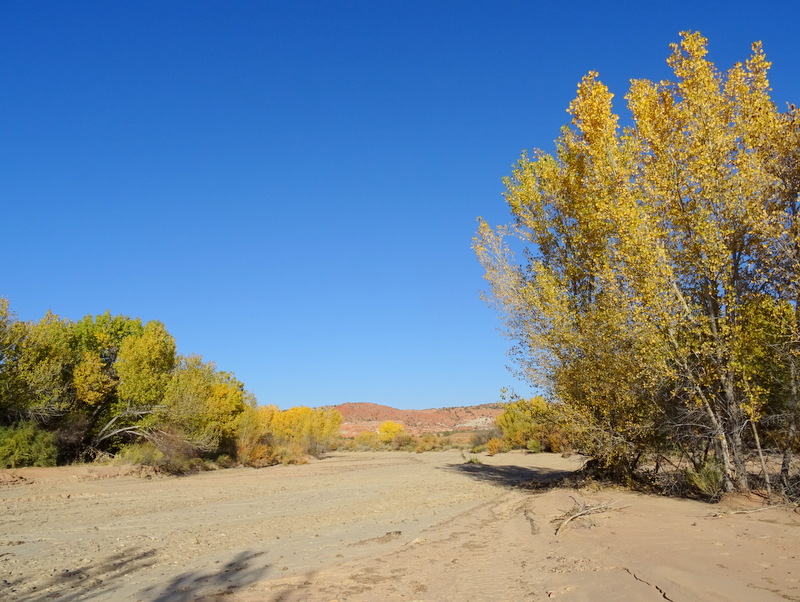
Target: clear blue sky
292, 187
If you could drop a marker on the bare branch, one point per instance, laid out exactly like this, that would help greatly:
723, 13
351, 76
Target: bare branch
582, 509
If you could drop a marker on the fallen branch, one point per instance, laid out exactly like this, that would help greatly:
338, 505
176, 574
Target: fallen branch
581, 509
770, 507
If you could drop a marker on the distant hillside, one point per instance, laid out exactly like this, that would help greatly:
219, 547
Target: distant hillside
360, 417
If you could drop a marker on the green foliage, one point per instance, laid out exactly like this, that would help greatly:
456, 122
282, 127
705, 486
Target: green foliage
41, 369
224, 461
24, 444
109, 384
103, 334
534, 446
472, 459
144, 365
707, 480
93, 382
203, 404
169, 453
144, 453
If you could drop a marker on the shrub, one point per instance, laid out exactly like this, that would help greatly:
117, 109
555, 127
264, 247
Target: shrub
534, 445
426, 442
144, 453
254, 439
225, 461
494, 446
348, 444
70, 435
402, 441
707, 480
260, 456
180, 456
367, 440
168, 453
26, 445
291, 453
557, 442
481, 438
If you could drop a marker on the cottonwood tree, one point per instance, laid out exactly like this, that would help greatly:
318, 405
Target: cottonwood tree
649, 255
313, 430
144, 366
202, 404
106, 381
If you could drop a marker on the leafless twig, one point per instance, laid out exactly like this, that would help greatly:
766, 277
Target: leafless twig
583, 509
771, 507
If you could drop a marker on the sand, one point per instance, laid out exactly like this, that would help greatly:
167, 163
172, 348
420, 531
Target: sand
380, 526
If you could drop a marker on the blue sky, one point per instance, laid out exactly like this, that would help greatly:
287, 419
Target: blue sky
292, 187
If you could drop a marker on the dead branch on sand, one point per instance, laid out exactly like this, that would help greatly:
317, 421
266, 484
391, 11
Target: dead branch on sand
770, 507
583, 509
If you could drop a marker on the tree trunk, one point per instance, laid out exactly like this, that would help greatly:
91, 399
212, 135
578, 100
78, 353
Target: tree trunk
733, 427
721, 444
764, 470
791, 431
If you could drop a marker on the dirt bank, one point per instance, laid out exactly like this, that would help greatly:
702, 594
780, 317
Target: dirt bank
378, 526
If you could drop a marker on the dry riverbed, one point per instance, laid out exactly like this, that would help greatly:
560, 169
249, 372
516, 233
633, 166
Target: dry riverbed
379, 526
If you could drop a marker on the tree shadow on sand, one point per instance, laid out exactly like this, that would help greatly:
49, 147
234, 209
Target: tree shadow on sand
512, 476
224, 581
107, 577
70, 585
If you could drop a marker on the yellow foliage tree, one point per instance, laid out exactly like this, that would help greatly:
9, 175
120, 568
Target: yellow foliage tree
267, 435
144, 365
91, 379
203, 404
254, 437
315, 430
646, 246
388, 430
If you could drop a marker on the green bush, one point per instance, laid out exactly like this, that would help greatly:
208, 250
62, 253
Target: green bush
24, 444
707, 480
144, 453
168, 453
225, 461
